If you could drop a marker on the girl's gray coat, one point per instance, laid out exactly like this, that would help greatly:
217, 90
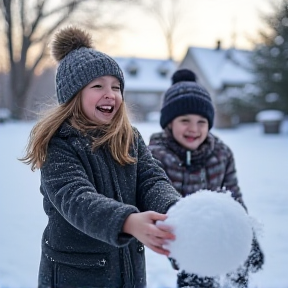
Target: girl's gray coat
87, 197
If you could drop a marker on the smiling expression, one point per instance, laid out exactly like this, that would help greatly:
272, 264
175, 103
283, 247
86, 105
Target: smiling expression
101, 99
190, 130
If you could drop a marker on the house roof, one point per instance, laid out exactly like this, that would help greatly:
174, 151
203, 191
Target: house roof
148, 75
222, 66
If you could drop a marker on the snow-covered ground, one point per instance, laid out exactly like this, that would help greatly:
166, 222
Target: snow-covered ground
262, 164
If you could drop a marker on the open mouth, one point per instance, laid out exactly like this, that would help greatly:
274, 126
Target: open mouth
105, 109
190, 138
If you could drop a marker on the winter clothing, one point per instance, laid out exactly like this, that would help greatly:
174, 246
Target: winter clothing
87, 194
84, 193
183, 75
211, 167
79, 64
239, 279
186, 97
194, 281
255, 261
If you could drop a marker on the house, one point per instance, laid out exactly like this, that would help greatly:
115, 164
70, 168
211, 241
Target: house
226, 75
145, 82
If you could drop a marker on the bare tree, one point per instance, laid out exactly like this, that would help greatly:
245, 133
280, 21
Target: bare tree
169, 15
27, 26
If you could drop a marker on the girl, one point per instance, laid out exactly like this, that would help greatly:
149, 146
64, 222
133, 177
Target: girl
97, 176
195, 159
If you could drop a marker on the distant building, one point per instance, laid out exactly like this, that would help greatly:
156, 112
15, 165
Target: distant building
145, 82
225, 74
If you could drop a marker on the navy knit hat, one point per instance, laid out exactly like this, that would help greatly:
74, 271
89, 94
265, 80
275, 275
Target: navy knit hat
79, 63
185, 96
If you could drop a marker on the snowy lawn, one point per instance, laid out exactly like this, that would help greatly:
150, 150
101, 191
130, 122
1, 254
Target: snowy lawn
262, 164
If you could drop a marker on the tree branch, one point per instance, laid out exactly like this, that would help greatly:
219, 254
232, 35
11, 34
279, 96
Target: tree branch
40, 57
39, 8
8, 30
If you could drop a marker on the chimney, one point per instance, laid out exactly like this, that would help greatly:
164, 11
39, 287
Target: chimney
218, 45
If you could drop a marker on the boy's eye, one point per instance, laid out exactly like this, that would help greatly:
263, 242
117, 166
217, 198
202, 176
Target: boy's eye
202, 121
116, 87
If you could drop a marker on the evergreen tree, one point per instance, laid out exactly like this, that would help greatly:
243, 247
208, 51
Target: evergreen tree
270, 61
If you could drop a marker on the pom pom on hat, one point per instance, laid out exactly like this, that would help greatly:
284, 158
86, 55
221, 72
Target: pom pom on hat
79, 63
183, 75
69, 39
185, 96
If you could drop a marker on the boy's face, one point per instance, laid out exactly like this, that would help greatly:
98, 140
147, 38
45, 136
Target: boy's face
101, 99
190, 130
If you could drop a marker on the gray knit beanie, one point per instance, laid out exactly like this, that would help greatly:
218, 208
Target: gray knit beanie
185, 96
79, 63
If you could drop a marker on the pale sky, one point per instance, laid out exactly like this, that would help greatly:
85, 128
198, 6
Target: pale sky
203, 23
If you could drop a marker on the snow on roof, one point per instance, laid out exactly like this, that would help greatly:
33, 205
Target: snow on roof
152, 75
223, 66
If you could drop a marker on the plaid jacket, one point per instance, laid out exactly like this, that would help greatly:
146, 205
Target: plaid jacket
211, 166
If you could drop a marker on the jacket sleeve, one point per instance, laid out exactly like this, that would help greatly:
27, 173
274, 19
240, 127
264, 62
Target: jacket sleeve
158, 155
230, 181
65, 183
154, 189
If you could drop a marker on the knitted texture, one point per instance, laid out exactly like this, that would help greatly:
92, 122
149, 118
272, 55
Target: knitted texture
186, 97
79, 68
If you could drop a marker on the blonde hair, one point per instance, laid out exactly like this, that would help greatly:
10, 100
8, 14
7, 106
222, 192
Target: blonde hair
118, 134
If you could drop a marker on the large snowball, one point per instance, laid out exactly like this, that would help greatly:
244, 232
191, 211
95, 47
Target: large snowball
213, 233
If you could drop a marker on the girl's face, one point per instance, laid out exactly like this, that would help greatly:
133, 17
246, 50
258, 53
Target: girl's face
189, 130
101, 99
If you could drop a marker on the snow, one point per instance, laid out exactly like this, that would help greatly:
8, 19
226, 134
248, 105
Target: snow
4, 113
269, 115
199, 221
262, 165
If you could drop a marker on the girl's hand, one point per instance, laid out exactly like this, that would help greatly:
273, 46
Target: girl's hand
143, 227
